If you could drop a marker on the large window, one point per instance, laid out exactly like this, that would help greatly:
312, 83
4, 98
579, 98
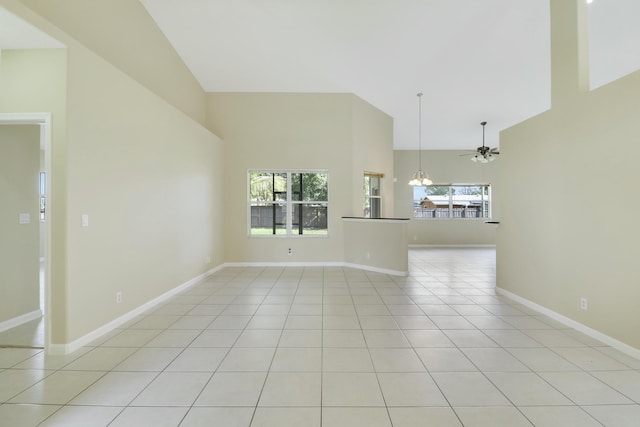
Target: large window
288, 203
372, 197
459, 201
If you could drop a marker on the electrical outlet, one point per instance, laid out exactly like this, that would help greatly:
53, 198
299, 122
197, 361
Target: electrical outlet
119, 297
290, 252
583, 303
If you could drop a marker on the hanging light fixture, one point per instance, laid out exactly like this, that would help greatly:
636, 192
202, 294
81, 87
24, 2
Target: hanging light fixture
420, 177
484, 154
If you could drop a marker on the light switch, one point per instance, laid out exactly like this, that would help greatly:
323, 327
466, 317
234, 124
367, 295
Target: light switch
24, 218
85, 220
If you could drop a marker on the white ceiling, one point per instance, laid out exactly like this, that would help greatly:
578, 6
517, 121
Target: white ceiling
18, 34
475, 60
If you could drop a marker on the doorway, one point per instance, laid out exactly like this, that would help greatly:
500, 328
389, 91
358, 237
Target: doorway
31, 327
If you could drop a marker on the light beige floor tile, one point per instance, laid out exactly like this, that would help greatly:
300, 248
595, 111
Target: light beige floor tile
396, 360
227, 417
38, 360
527, 389
410, 389
372, 310
542, 360
584, 389
15, 381
115, 389
193, 322
438, 309
511, 338
300, 338
100, 359
248, 359
259, 338
58, 388
559, 416
174, 338
405, 310
303, 322
488, 322
620, 357
430, 338
273, 310
292, 389
494, 360
149, 416
626, 382
156, 321
615, 415
25, 415
267, 322
173, 389
350, 389
385, 339
346, 360
207, 310
216, 338
468, 389
419, 416
414, 322
297, 360
470, 338
232, 389
305, 310
286, 417
82, 416
590, 359
344, 338
445, 360
240, 310
451, 322
196, 359
230, 322
132, 338
149, 359
355, 417
492, 417
340, 322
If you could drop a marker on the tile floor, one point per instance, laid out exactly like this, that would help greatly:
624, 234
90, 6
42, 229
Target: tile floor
331, 347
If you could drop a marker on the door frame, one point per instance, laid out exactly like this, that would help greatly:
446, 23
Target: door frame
44, 121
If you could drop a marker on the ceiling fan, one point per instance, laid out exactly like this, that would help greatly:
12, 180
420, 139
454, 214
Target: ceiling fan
484, 154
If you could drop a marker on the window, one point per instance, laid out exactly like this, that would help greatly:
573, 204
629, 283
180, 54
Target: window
459, 201
372, 198
288, 203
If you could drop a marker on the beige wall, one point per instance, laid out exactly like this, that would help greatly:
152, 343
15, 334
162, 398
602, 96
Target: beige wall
149, 178
146, 173
446, 167
19, 258
295, 131
372, 152
569, 213
36, 81
122, 32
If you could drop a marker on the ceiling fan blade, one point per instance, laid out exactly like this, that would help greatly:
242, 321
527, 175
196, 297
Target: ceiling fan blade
495, 150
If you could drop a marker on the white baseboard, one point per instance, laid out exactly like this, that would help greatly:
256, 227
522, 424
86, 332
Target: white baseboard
318, 264
19, 320
610, 341
61, 349
461, 246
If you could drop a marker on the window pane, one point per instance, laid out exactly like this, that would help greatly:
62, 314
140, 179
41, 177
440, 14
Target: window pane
455, 201
265, 186
467, 201
266, 217
310, 219
309, 187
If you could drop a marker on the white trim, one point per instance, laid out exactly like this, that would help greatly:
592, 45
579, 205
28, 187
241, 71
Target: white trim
45, 122
318, 264
462, 246
61, 349
20, 320
618, 345
377, 220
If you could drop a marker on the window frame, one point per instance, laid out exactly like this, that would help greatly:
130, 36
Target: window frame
486, 187
368, 196
289, 204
